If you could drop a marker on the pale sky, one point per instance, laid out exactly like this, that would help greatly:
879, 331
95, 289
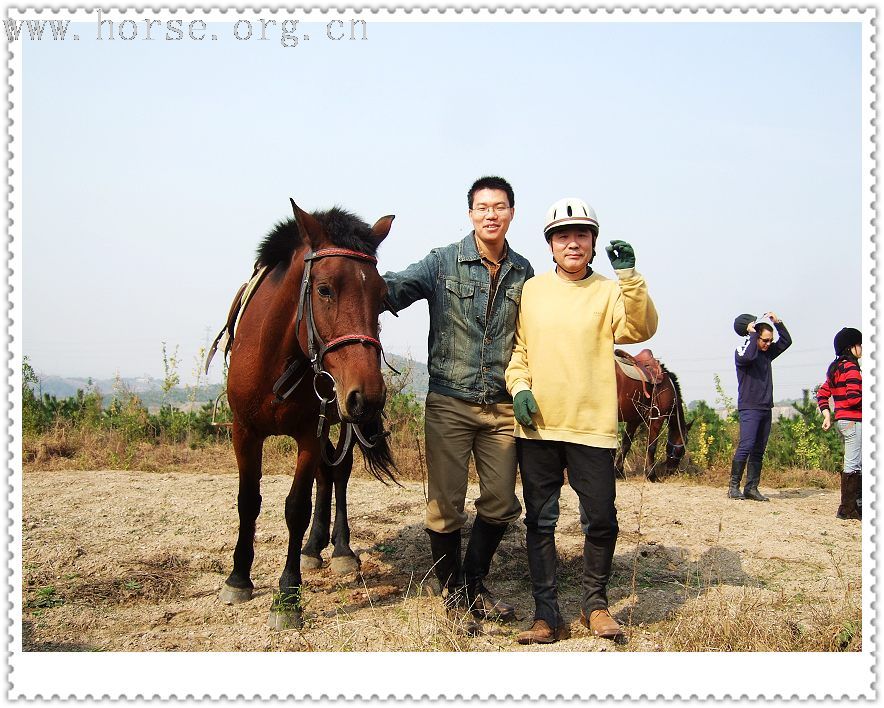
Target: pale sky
728, 154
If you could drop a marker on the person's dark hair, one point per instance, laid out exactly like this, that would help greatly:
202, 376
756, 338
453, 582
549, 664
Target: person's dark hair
491, 183
839, 360
845, 340
764, 327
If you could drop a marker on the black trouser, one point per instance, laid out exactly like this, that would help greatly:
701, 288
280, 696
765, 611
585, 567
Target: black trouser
591, 475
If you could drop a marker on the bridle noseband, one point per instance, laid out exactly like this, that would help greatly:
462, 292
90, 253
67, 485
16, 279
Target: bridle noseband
316, 351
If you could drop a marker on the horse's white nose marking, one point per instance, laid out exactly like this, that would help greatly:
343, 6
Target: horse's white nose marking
363, 275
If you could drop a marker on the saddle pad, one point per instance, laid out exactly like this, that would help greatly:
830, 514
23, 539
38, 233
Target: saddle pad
628, 368
251, 286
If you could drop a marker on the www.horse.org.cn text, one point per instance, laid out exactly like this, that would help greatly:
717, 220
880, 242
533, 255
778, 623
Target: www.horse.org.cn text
289, 33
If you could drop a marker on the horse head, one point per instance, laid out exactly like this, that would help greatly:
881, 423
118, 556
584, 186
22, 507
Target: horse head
677, 440
342, 297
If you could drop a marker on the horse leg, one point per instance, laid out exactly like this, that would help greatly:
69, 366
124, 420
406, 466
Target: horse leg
285, 612
625, 447
318, 539
238, 587
343, 559
655, 425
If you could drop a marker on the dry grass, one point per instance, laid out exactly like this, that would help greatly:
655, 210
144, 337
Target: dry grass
748, 619
412, 622
72, 448
160, 577
132, 561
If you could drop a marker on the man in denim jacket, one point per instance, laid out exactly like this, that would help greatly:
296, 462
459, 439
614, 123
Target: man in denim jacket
473, 289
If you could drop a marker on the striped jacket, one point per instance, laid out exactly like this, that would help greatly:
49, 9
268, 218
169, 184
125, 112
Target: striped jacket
846, 390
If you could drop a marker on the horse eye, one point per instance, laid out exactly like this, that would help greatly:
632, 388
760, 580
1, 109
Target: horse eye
324, 291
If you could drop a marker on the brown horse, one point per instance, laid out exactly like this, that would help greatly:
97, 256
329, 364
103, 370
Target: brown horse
305, 356
652, 405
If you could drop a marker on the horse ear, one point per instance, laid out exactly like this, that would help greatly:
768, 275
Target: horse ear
308, 227
381, 228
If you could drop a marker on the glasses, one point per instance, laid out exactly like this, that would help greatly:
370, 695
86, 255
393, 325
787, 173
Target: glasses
762, 340
500, 210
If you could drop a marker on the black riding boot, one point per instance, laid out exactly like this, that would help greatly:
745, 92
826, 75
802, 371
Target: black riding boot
598, 556
445, 548
753, 477
733, 491
542, 567
484, 540
850, 485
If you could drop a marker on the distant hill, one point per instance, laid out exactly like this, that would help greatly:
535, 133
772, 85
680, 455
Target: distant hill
150, 389
418, 377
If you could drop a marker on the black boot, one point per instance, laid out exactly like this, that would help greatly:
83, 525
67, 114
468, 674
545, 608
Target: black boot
598, 556
484, 540
445, 548
850, 485
753, 477
542, 567
737, 467
858, 496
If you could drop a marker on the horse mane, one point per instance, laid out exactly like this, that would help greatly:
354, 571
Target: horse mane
679, 399
344, 229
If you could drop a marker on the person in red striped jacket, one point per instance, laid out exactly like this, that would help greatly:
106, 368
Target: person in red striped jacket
844, 385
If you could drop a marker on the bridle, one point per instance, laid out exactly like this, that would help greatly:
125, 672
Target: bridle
654, 413
316, 351
305, 306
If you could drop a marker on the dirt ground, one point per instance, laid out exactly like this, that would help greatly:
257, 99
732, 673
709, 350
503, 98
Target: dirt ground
133, 561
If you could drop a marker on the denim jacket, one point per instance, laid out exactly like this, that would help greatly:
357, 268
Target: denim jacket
467, 355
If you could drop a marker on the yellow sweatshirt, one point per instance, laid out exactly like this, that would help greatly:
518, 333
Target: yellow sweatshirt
564, 352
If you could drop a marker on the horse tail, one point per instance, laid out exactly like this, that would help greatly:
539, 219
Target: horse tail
378, 459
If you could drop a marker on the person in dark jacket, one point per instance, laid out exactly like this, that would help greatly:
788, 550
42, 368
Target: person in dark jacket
473, 288
844, 386
753, 360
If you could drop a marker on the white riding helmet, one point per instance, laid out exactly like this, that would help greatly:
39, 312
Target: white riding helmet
570, 210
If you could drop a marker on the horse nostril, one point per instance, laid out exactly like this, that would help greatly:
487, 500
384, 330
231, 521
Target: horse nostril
355, 404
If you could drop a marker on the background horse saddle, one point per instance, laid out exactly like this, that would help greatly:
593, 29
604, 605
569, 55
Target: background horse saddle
644, 366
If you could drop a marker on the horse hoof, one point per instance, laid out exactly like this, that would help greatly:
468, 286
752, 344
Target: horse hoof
233, 596
341, 565
281, 620
310, 562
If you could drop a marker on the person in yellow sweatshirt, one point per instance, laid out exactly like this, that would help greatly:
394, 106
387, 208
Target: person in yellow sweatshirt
562, 379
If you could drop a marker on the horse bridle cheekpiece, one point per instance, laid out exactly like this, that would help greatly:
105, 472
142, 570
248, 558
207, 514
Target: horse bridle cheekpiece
316, 351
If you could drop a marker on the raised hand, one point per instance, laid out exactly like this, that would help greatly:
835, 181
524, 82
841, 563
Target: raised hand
621, 255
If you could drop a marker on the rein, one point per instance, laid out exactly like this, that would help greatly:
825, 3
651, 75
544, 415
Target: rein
670, 447
316, 351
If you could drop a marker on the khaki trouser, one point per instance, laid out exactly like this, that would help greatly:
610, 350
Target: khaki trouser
454, 429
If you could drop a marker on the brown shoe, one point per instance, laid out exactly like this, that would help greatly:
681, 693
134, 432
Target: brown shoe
542, 633
601, 624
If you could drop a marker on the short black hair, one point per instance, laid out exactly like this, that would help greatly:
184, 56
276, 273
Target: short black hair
763, 327
491, 182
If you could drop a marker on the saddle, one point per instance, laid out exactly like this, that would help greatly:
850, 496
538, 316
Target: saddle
237, 307
644, 367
